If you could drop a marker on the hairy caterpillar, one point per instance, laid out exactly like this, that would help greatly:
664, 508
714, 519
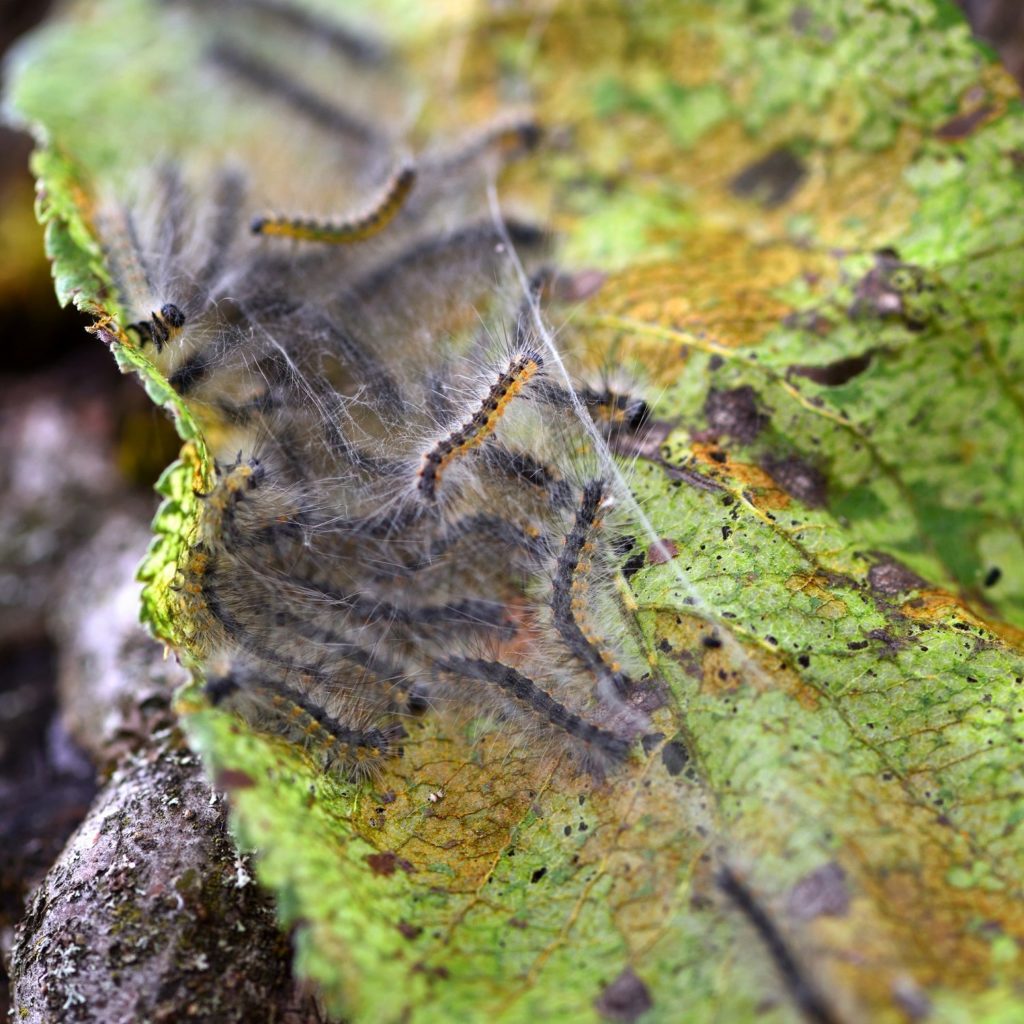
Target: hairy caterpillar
481, 424
408, 506
161, 326
356, 228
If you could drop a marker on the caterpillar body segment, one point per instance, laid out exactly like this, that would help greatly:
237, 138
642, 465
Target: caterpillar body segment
161, 326
357, 228
476, 430
356, 750
539, 702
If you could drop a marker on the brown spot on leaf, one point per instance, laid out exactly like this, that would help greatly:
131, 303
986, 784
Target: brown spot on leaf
890, 641
798, 478
625, 999
911, 999
883, 292
433, 973
409, 931
578, 286
758, 486
822, 892
813, 321
821, 587
662, 551
964, 125
231, 778
735, 413
834, 374
938, 606
643, 443
875, 295
387, 863
892, 577
771, 180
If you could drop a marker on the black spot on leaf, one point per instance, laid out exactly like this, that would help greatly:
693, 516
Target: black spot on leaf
832, 375
651, 740
674, 757
772, 180
633, 564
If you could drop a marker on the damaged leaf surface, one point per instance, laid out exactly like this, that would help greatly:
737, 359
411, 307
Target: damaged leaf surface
807, 219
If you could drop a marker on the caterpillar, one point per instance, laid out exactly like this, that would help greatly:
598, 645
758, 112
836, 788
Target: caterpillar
356, 228
410, 508
521, 368
161, 326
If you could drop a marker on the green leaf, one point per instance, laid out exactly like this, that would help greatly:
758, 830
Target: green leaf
808, 214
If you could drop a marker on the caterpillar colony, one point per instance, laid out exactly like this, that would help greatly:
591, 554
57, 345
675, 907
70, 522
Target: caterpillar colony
412, 509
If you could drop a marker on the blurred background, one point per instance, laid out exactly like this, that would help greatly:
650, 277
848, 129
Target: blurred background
80, 449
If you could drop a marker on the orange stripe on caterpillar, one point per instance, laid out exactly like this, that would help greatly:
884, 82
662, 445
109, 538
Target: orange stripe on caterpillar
356, 229
615, 410
233, 483
358, 750
580, 606
567, 601
481, 425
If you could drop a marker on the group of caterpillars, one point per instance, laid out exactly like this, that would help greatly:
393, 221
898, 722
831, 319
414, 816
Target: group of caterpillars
408, 514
